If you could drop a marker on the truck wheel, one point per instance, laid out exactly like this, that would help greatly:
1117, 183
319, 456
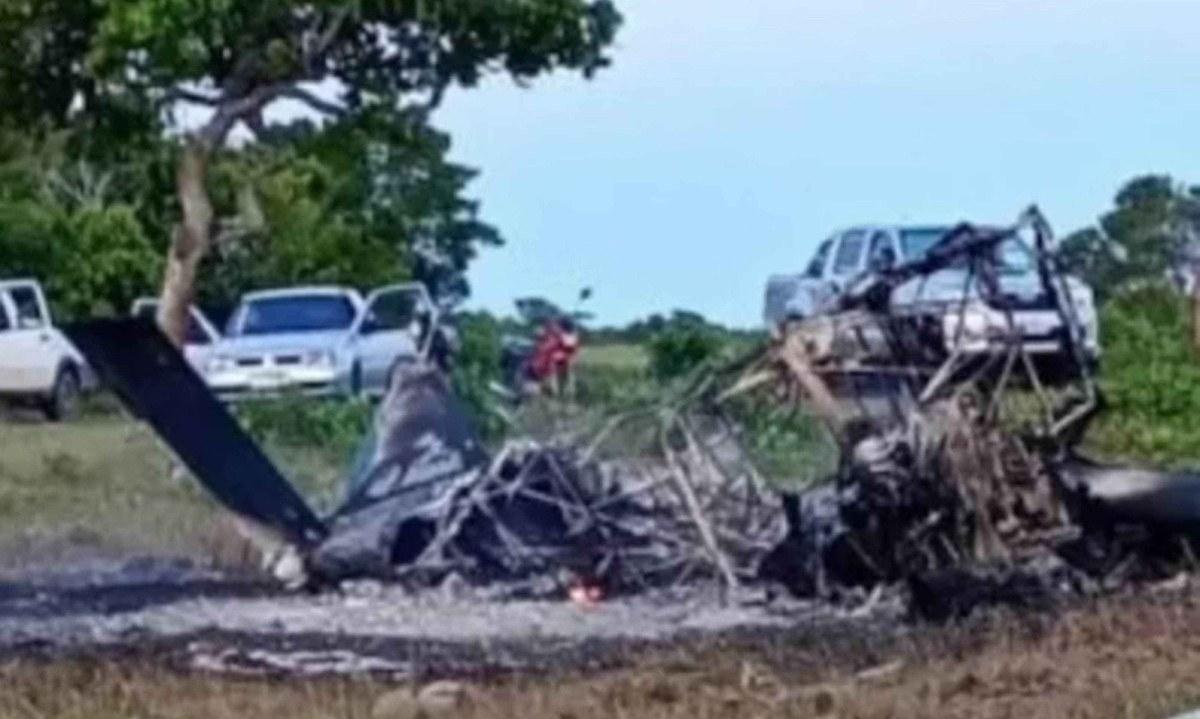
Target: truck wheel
63, 402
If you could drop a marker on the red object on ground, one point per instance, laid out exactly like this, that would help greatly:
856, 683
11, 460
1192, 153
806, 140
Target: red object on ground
554, 353
586, 593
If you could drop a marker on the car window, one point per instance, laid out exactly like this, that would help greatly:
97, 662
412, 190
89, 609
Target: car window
849, 253
5, 323
300, 313
816, 268
393, 311
29, 310
918, 241
883, 251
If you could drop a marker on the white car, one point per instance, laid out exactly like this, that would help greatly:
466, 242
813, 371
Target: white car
321, 341
202, 334
37, 363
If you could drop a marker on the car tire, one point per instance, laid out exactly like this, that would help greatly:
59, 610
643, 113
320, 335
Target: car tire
356, 381
63, 402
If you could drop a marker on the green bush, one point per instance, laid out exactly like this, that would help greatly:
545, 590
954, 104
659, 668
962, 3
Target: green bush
680, 349
476, 368
335, 427
1150, 377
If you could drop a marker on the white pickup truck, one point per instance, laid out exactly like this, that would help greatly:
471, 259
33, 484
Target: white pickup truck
37, 363
848, 254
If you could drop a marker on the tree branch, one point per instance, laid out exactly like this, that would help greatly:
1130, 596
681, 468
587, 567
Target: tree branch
180, 94
315, 102
229, 112
325, 39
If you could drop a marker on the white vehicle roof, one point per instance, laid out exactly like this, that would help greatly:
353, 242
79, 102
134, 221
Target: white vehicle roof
305, 291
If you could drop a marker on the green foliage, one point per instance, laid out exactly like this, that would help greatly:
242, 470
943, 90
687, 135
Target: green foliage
336, 427
60, 223
382, 48
366, 202
788, 445
683, 345
477, 367
678, 351
1140, 240
367, 198
1150, 377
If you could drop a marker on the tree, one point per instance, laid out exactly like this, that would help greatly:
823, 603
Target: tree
60, 221
237, 59
1143, 238
367, 200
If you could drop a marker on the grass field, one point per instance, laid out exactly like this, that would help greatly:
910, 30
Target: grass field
615, 356
106, 485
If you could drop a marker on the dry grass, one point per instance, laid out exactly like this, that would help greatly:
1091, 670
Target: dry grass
105, 484
1119, 659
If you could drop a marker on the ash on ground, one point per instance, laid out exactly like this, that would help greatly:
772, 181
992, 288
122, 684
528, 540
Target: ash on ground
204, 620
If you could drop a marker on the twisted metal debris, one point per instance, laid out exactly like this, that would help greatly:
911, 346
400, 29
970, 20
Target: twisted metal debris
622, 524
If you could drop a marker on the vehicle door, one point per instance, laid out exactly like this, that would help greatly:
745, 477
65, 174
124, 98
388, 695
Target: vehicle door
849, 258
394, 322
201, 333
29, 356
817, 282
8, 339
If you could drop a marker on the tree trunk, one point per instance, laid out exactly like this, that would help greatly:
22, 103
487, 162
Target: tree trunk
189, 245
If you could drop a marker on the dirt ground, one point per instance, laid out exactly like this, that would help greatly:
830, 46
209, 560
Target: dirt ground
1134, 656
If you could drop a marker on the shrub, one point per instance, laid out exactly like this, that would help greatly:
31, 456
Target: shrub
1150, 378
476, 368
680, 349
333, 426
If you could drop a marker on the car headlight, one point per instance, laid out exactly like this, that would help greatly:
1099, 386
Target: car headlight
219, 363
321, 358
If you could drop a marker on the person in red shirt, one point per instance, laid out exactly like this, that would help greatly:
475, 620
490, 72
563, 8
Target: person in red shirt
554, 355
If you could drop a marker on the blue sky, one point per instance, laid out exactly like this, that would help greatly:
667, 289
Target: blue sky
730, 137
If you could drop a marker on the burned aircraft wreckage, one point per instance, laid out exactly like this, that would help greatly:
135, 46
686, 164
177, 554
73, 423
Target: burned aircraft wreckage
956, 467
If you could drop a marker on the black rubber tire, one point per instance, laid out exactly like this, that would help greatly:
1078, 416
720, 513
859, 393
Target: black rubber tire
63, 403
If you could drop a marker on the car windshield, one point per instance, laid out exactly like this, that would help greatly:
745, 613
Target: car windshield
311, 313
916, 242
1013, 256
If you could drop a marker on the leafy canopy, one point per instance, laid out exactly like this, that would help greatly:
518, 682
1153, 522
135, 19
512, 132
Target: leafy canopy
367, 196
1144, 238
377, 50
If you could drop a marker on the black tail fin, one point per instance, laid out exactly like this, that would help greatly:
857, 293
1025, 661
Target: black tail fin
153, 380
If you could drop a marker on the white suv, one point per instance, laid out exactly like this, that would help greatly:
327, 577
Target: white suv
37, 363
